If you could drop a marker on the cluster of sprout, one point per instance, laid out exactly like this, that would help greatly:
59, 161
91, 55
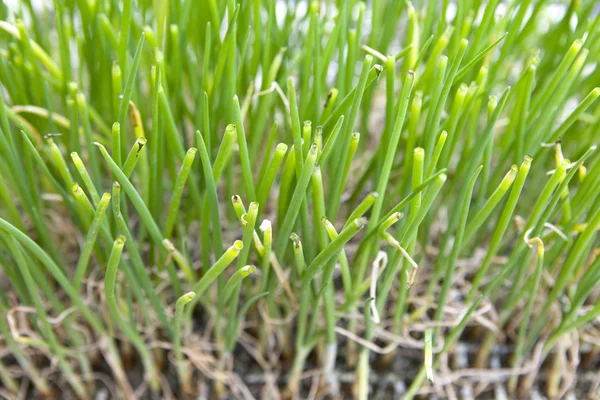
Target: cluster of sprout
193, 191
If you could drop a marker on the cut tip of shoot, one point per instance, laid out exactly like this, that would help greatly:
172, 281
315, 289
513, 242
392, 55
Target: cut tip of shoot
282, 147
120, 241
265, 225
248, 270
397, 216
186, 298
391, 220
509, 177
106, 196
237, 245
360, 222
296, 239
